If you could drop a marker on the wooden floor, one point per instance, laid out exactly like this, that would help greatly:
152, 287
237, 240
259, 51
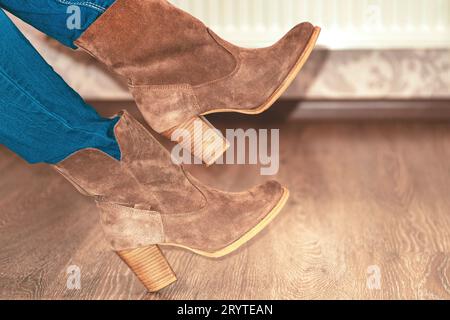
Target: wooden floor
365, 197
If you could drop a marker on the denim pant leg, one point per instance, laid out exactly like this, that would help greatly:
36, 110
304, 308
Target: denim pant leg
63, 20
41, 118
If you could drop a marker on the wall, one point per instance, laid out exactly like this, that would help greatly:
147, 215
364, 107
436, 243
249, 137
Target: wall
347, 24
367, 50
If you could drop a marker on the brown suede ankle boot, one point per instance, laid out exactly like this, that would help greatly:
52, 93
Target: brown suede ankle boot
179, 70
146, 201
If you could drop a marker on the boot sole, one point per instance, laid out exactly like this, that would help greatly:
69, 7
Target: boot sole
285, 84
154, 271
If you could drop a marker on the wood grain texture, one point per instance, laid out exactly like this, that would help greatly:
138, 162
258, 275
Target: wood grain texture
362, 194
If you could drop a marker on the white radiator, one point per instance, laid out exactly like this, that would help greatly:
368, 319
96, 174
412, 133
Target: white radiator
334, 74
347, 24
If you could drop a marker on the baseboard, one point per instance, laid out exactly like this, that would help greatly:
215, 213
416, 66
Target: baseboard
316, 110
425, 109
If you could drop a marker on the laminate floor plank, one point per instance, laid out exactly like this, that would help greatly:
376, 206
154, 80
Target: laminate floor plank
369, 202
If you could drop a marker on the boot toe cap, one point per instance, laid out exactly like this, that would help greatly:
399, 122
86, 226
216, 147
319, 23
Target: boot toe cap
262, 201
295, 42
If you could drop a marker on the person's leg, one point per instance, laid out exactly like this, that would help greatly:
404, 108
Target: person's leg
179, 70
145, 200
41, 118
64, 20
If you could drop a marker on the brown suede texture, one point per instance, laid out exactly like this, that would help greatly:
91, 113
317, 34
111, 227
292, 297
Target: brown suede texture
159, 47
145, 199
145, 176
259, 74
153, 42
168, 100
227, 217
128, 228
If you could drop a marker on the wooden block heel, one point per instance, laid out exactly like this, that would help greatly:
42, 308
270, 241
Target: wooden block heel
204, 141
150, 266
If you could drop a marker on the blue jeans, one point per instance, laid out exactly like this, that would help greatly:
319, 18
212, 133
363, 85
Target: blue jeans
64, 20
41, 118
